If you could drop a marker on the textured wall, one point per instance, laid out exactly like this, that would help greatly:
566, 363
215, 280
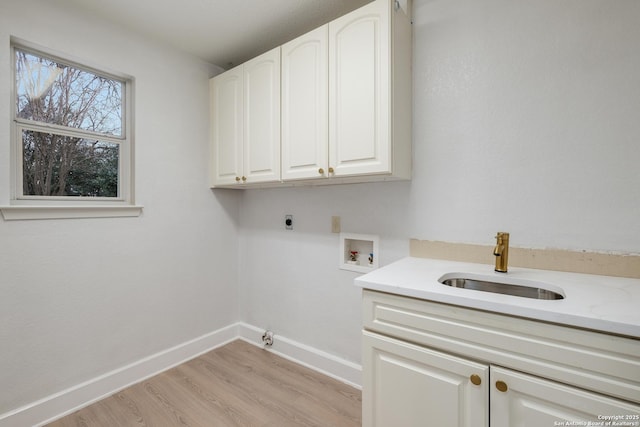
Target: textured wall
79, 298
527, 116
526, 119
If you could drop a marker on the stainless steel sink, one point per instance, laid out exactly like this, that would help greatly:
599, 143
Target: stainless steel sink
519, 288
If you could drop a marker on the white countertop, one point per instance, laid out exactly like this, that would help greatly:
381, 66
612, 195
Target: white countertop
602, 303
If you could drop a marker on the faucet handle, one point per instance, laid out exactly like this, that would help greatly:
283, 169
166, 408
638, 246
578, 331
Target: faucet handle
501, 251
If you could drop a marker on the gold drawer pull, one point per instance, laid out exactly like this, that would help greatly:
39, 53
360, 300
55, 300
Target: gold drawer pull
331, 170
475, 379
321, 171
244, 178
237, 179
502, 386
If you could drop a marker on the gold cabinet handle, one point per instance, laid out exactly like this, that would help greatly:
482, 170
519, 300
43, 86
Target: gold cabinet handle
475, 379
244, 178
321, 171
331, 170
237, 179
502, 386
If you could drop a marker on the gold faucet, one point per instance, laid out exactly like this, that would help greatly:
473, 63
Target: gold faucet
501, 252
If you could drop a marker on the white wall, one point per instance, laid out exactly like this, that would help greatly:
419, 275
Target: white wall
290, 281
527, 116
79, 298
526, 119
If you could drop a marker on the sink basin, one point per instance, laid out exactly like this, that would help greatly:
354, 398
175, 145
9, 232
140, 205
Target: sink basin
516, 287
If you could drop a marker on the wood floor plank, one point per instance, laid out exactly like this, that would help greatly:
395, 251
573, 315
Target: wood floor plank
238, 384
119, 409
230, 398
323, 394
265, 397
213, 401
321, 389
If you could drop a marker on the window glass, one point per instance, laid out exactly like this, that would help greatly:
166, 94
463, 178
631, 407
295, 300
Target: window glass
51, 92
59, 165
70, 138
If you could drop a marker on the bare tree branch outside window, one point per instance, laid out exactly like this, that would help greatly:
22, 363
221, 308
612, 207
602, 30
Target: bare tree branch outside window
71, 122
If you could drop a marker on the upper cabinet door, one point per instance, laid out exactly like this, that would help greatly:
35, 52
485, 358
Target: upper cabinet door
226, 126
304, 106
359, 91
262, 118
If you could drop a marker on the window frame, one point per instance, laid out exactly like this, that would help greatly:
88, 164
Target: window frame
42, 207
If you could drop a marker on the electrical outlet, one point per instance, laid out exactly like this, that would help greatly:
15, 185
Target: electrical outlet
288, 222
335, 224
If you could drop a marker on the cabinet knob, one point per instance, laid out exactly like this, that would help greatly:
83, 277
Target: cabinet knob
321, 171
330, 170
475, 379
237, 178
502, 386
244, 178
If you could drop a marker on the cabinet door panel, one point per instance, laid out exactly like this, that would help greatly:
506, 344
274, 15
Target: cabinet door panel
227, 126
532, 402
262, 118
406, 385
304, 106
359, 91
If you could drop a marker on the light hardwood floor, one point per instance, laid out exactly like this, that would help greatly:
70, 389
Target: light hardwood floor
238, 384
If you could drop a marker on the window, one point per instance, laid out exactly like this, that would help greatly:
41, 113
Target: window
72, 136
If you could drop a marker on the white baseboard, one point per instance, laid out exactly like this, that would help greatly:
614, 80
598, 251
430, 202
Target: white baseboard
328, 364
67, 401
70, 400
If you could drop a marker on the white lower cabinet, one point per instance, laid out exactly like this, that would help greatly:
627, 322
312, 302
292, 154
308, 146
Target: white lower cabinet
523, 400
430, 364
408, 385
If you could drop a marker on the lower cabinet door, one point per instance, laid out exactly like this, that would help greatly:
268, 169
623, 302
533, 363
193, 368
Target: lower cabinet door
405, 385
520, 400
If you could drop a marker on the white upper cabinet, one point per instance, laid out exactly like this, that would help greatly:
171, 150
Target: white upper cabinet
331, 106
262, 118
359, 68
304, 106
370, 92
245, 130
226, 126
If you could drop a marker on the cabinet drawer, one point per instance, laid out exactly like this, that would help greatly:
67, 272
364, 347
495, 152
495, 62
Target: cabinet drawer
595, 361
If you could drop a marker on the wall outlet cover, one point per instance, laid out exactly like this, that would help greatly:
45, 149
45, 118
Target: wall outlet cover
335, 224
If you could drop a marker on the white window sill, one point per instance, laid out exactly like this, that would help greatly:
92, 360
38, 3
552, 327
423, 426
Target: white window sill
11, 213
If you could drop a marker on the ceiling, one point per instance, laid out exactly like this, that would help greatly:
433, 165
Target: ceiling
224, 33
